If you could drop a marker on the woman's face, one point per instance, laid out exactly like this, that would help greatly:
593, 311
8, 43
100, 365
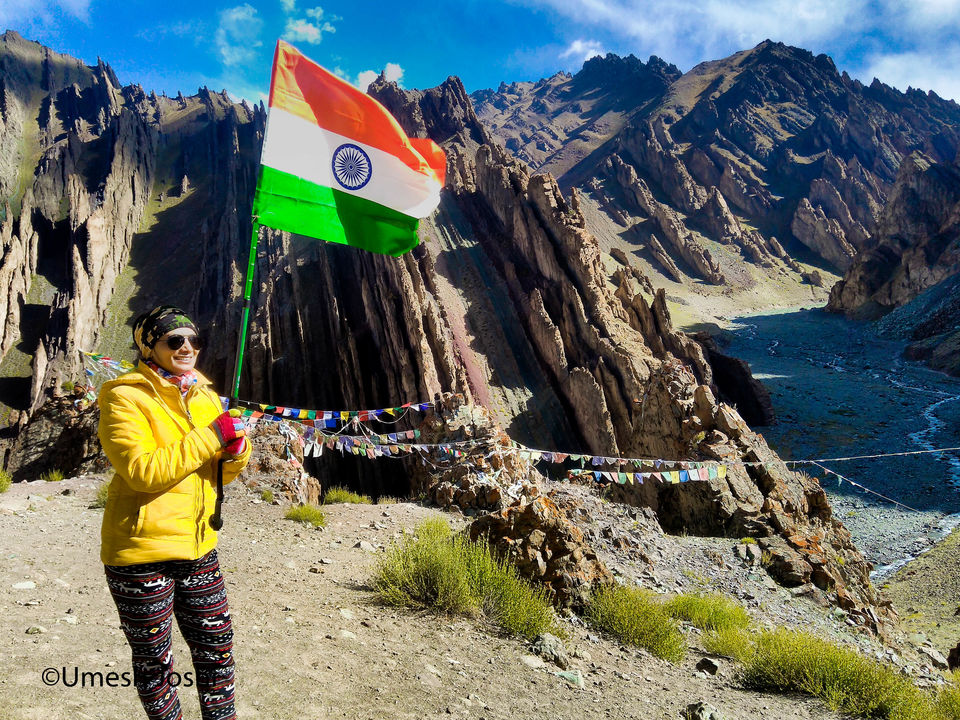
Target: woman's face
176, 361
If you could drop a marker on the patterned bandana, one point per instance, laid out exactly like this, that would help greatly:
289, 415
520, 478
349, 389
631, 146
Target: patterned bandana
184, 382
151, 326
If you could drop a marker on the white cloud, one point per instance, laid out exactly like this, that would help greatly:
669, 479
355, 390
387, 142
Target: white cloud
365, 78
392, 72
583, 50
927, 70
923, 15
303, 31
20, 13
688, 31
238, 34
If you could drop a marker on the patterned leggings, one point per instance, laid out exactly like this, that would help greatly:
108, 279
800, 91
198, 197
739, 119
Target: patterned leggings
147, 596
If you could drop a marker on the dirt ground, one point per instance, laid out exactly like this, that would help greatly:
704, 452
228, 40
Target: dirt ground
311, 642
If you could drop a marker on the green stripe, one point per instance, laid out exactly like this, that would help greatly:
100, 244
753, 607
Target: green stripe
287, 202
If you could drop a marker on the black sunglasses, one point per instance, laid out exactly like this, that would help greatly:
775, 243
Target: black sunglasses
175, 342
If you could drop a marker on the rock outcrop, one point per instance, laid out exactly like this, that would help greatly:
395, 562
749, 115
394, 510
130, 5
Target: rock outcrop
911, 265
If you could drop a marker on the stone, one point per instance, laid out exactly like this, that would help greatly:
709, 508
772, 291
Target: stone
550, 648
25, 585
36, 630
708, 666
701, 711
571, 569
935, 657
365, 546
533, 662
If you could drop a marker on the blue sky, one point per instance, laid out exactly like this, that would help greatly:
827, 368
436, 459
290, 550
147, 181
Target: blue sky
179, 45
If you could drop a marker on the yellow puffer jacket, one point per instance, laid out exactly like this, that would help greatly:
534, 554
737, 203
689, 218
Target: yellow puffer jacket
165, 456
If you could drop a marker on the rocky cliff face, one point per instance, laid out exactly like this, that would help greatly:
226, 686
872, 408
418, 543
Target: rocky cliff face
100, 162
508, 301
762, 159
912, 263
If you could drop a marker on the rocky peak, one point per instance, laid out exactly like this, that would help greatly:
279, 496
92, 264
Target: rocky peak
445, 113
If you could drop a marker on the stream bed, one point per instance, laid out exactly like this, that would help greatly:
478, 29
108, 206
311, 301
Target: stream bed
840, 390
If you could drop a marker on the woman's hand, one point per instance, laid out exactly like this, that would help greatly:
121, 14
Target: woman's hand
229, 428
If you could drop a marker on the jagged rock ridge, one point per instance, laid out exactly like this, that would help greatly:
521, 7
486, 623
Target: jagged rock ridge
765, 158
507, 302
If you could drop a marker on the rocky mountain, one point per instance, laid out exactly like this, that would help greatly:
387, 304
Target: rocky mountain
123, 199
764, 169
555, 123
912, 264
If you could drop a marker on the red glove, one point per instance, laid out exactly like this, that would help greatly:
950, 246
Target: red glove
229, 428
236, 447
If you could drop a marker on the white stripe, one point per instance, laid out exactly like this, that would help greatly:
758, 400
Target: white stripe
294, 145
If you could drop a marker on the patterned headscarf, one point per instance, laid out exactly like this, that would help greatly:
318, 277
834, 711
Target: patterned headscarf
151, 326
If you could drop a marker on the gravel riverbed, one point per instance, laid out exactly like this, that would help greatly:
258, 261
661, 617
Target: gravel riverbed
840, 390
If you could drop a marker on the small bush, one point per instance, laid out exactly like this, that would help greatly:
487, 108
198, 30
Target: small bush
451, 574
338, 494
634, 616
307, 514
388, 500
5, 480
266, 495
709, 612
100, 499
729, 642
748, 541
793, 661
52, 475
948, 701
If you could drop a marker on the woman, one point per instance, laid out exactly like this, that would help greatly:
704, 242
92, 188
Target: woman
164, 431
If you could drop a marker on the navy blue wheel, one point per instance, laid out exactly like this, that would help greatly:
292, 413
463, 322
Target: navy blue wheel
351, 166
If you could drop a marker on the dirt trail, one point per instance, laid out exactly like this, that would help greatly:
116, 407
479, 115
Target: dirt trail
310, 640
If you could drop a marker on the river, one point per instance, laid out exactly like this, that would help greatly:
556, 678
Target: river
840, 390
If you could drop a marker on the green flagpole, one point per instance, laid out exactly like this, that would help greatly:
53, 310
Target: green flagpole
244, 322
216, 520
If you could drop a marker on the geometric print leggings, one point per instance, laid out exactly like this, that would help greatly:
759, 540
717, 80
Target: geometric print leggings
147, 596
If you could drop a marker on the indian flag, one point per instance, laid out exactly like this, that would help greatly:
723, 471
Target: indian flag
337, 166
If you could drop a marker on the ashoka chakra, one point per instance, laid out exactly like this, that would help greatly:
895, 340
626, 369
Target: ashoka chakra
351, 166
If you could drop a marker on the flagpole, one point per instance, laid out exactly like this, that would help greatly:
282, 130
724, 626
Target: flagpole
216, 520
244, 322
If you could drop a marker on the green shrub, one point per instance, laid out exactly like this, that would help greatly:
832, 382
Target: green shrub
948, 701
748, 541
266, 495
731, 642
635, 616
307, 514
388, 500
449, 573
100, 499
5, 480
794, 661
338, 494
709, 612
52, 475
